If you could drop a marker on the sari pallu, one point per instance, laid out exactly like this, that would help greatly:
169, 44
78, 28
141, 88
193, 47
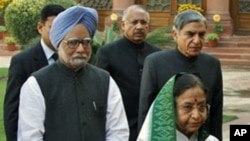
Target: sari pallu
159, 124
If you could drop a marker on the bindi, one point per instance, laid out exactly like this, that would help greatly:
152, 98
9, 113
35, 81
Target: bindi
195, 100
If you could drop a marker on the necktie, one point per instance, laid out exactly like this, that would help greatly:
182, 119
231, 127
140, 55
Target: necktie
55, 56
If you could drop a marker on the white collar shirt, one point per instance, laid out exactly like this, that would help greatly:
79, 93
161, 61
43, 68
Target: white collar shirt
48, 52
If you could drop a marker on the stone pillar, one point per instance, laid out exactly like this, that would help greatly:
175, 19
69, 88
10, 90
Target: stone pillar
220, 7
120, 5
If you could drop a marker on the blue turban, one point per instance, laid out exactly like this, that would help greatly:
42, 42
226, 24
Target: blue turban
68, 19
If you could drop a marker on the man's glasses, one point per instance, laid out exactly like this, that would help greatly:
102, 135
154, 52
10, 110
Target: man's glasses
74, 42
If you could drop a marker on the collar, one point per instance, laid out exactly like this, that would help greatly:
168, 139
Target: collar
181, 137
48, 52
134, 45
70, 72
183, 57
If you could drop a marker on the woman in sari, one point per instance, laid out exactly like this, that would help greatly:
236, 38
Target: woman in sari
179, 112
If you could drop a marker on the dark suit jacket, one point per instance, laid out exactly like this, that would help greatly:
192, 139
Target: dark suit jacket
160, 66
124, 61
21, 67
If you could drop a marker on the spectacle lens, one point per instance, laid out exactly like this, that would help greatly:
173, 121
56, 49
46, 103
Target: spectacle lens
74, 42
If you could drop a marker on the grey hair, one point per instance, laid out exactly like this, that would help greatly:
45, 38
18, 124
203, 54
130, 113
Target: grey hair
137, 7
187, 17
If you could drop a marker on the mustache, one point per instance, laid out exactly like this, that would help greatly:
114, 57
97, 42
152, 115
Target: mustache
139, 32
78, 55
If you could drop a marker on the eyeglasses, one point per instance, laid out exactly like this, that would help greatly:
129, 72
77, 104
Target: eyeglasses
74, 42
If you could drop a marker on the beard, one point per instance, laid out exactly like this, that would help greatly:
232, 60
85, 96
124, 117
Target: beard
79, 60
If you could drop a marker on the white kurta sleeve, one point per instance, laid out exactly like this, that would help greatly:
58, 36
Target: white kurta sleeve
116, 125
31, 112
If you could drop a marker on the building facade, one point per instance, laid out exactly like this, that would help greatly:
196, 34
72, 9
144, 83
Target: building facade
235, 14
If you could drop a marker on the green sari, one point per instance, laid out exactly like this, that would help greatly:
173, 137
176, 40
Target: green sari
159, 124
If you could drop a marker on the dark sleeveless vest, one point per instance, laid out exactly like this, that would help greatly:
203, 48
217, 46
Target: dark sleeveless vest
76, 102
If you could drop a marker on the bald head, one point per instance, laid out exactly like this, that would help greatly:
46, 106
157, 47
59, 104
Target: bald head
132, 8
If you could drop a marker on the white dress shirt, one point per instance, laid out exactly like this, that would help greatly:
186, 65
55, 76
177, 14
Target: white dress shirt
32, 113
48, 52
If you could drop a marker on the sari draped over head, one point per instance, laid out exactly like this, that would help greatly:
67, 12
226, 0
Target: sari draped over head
160, 124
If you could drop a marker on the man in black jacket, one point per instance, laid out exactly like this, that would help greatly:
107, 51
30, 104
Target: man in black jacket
188, 31
124, 59
25, 63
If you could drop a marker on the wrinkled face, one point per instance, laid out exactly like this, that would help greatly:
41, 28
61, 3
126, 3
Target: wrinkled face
75, 49
191, 110
190, 38
44, 29
136, 26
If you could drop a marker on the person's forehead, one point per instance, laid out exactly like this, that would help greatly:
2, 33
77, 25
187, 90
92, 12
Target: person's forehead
195, 92
191, 100
137, 14
200, 26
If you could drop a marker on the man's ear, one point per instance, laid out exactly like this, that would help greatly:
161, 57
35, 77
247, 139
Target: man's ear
39, 27
122, 24
174, 35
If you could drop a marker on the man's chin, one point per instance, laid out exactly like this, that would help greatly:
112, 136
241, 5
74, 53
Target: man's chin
193, 53
78, 63
138, 40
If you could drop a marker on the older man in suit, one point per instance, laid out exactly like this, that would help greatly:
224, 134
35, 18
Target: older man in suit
124, 59
25, 63
189, 29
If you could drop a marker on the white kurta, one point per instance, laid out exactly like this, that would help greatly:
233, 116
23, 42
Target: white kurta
32, 113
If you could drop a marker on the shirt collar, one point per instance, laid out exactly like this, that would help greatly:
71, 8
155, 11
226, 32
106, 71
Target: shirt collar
48, 52
182, 56
134, 45
181, 137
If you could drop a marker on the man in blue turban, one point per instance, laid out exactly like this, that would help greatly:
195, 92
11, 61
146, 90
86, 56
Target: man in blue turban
72, 99
67, 20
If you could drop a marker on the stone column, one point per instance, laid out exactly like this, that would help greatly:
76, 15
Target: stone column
120, 5
220, 7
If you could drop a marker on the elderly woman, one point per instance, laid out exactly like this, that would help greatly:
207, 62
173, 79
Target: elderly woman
178, 112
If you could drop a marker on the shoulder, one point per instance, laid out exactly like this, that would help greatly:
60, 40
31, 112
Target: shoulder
98, 74
30, 52
209, 58
111, 49
204, 54
112, 45
158, 59
45, 70
152, 47
163, 54
96, 69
